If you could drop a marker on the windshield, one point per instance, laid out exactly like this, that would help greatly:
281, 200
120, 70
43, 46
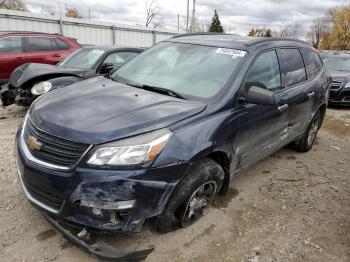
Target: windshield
337, 64
193, 71
84, 58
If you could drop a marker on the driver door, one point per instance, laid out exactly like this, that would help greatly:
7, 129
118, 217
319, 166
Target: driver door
262, 127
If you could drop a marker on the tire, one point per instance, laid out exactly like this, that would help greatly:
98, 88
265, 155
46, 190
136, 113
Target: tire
204, 174
306, 142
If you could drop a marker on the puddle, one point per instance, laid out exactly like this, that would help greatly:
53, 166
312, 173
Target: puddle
205, 232
45, 235
223, 201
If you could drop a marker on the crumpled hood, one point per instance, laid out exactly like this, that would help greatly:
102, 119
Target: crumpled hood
27, 72
99, 110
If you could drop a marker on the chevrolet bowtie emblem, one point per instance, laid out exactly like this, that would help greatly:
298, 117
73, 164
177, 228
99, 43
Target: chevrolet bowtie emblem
33, 143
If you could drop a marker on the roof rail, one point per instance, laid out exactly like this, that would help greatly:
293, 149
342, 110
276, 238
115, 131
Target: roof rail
26, 32
199, 33
260, 40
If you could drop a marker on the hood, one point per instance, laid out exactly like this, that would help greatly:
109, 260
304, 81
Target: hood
340, 75
27, 72
99, 110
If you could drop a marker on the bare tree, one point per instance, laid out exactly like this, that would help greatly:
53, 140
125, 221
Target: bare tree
318, 29
289, 31
152, 10
17, 5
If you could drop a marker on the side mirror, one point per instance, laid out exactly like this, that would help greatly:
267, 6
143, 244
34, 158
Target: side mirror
106, 68
260, 96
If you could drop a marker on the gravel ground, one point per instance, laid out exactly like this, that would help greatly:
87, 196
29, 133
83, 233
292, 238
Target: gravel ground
289, 207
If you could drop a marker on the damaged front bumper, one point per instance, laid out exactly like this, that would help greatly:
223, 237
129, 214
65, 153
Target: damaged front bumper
7, 95
98, 200
103, 200
97, 247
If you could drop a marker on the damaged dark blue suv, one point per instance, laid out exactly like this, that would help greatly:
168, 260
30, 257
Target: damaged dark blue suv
165, 133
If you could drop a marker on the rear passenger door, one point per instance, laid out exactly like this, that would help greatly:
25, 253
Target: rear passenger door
11, 55
298, 94
43, 50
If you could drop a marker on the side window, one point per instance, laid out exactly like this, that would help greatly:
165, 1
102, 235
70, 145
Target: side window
119, 58
292, 66
37, 44
265, 72
61, 45
313, 62
11, 44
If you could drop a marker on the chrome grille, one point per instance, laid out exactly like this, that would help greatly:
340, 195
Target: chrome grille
54, 150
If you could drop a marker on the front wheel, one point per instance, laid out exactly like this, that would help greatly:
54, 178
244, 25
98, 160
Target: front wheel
192, 195
306, 142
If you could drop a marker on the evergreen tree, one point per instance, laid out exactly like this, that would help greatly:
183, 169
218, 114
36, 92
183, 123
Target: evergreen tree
216, 24
268, 33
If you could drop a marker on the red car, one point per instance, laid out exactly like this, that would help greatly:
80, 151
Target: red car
17, 48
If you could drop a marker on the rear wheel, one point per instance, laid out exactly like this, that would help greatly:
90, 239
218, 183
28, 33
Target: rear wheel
192, 195
306, 142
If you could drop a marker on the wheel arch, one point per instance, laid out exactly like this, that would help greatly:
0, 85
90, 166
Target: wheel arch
223, 159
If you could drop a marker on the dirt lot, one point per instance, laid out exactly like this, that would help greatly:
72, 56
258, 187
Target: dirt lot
290, 207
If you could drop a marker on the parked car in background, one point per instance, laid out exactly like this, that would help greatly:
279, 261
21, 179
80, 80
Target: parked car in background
338, 65
163, 136
17, 48
29, 81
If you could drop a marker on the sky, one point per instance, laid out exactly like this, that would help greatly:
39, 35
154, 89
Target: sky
236, 16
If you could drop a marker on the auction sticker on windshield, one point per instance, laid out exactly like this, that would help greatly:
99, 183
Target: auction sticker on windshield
232, 52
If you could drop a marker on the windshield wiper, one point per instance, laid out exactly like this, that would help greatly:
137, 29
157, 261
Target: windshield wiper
157, 89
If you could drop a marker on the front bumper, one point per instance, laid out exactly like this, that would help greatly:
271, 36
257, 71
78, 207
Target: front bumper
99, 248
107, 200
339, 97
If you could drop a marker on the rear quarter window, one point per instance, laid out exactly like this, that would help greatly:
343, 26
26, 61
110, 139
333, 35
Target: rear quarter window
61, 44
313, 63
292, 66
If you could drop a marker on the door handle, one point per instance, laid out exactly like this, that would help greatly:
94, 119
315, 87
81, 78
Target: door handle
283, 107
20, 57
56, 55
311, 94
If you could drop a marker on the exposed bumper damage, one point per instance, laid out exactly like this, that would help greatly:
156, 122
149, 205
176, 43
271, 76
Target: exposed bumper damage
7, 95
97, 247
116, 204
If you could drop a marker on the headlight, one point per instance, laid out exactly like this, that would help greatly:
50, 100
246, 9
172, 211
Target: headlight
347, 85
41, 88
131, 151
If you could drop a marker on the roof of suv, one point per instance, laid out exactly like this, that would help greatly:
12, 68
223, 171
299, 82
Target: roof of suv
25, 33
230, 40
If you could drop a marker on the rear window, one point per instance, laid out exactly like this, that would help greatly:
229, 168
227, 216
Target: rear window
11, 44
292, 66
61, 45
313, 63
37, 44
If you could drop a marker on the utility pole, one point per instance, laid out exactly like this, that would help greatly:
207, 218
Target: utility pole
178, 22
193, 15
188, 13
